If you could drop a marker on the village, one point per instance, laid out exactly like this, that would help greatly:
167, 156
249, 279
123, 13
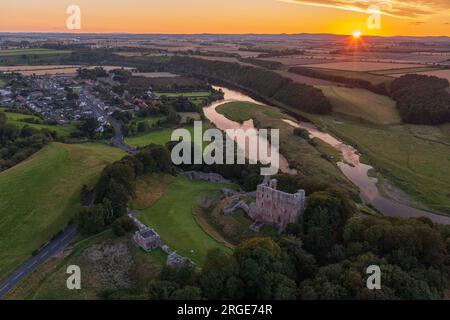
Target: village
62, 99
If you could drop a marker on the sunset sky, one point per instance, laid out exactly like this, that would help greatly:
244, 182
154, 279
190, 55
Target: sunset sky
400, 17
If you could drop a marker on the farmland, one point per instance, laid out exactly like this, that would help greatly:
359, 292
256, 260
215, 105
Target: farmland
374, 79
172, 218
29, 214
13, 57
19, 52
363, 104
361, 66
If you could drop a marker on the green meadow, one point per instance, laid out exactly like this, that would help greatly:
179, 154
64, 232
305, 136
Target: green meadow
172, 217
243, 111
42, 193
17, 119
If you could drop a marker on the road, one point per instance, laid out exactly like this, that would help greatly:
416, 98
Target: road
51, 249
97, 106
118, 140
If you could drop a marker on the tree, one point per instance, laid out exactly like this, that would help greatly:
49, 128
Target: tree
219, 278
161, 290
187, 293
90, 221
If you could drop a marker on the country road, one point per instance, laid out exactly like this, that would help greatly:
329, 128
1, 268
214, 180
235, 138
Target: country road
118, 140
52, 248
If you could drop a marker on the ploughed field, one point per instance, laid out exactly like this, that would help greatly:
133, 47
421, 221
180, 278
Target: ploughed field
41, 194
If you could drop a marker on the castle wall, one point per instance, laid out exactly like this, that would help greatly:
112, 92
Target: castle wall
276, 207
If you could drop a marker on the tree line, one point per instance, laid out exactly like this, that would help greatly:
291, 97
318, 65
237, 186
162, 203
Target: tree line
422, 99
357, 83
109, 199
17, 144
263, 82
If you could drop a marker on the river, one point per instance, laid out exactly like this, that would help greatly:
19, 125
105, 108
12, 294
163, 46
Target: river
351, 165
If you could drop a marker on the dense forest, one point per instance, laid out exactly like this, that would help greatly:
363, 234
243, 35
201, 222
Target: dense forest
357, 83
17, 144
422, 99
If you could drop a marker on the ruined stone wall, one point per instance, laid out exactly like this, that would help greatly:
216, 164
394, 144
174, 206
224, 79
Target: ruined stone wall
276, 207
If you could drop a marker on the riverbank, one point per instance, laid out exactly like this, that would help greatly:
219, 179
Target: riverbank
356, 171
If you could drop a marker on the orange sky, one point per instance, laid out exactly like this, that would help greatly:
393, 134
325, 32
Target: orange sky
402, 17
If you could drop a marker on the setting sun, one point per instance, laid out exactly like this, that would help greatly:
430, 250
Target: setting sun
357, 34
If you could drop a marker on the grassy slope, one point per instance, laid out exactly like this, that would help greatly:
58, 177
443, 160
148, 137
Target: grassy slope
14, 118
172, 218
362, 103
39, 195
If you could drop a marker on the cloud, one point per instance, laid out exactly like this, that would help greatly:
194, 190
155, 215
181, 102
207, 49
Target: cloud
411, 9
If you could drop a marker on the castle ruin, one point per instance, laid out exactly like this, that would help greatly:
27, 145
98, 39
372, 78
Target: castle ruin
275, 207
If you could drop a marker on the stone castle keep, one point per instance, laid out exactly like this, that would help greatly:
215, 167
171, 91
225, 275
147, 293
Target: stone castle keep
275, 207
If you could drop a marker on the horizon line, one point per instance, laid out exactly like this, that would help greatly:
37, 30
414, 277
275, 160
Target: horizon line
217, 33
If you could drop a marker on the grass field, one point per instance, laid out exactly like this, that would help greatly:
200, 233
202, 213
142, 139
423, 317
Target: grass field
363, 104
15, 118
375, 79
172, 218
159, 137
149, 120
243, 111
39, 195
19, 52
415, 158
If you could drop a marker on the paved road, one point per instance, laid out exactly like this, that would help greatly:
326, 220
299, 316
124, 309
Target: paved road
52, 248
118, 140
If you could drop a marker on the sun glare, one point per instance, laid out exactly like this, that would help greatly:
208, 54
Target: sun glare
357, 34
